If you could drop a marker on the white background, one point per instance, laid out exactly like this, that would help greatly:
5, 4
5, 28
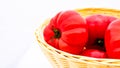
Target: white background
20, 18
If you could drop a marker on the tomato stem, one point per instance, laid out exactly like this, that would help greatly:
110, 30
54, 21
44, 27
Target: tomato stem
99, 42
57, 33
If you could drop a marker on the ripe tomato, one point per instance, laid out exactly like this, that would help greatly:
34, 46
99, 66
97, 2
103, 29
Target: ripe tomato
97, 25
67, 31
94, 53
112, 39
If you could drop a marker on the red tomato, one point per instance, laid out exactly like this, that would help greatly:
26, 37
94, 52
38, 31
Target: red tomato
70, 49
94, 53
112, 39
97, 25
67, 31
98, 47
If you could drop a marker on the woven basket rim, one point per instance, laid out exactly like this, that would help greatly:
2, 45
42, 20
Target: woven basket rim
108, 9
68, 56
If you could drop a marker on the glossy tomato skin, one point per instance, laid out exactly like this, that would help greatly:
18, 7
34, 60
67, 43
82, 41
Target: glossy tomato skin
112, 39
67, 31
97, 25
70, 49
94, 53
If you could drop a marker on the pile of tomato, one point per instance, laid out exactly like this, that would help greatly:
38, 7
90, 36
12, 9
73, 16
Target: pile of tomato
95, 36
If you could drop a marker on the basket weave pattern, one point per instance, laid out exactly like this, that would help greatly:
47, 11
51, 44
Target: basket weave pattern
60, 59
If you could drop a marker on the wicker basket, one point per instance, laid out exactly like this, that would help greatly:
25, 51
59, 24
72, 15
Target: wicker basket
60, 59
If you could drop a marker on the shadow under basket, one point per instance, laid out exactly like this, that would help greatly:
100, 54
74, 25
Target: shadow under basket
60, 59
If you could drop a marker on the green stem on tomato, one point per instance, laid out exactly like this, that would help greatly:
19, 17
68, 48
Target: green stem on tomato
99, 42
57, 33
